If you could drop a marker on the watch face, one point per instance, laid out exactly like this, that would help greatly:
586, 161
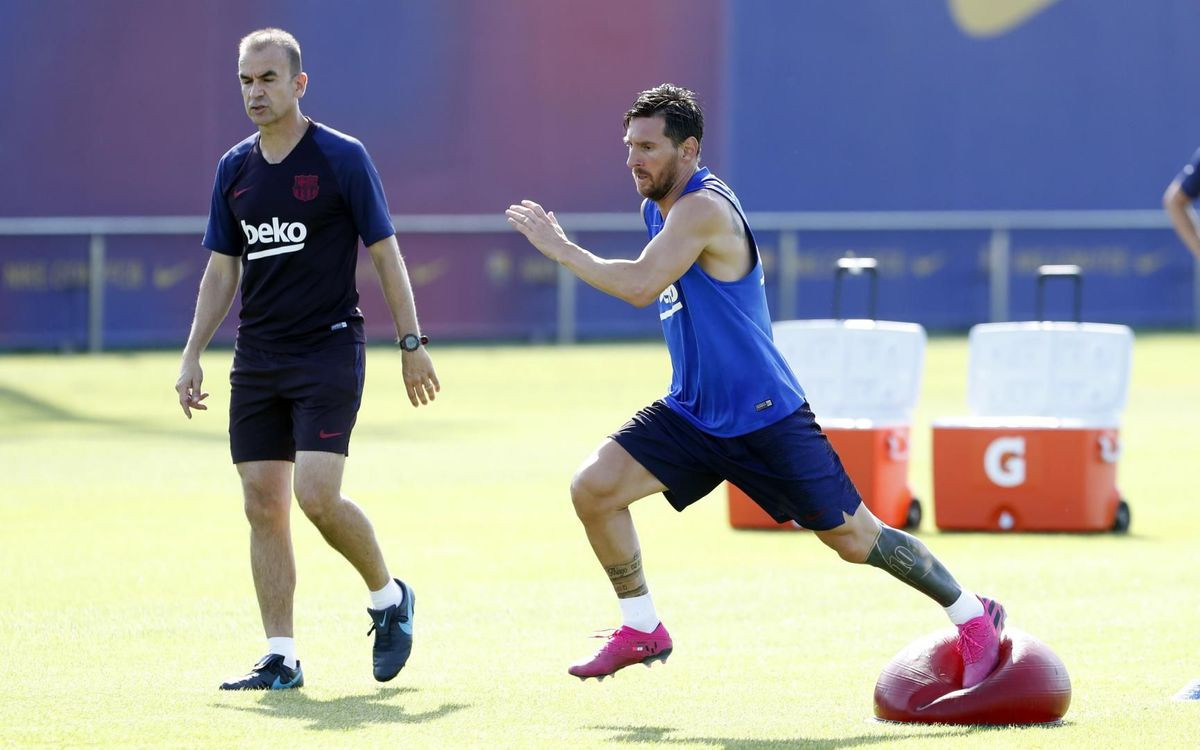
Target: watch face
410, 343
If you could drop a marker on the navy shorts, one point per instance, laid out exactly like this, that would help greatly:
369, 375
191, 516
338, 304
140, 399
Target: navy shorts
788, 468
281, 403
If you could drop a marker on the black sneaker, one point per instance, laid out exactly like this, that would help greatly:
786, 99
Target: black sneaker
269, 674
393, 629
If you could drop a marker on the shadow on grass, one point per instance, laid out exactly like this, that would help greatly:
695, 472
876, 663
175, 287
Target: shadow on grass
27, 408
21, 407
647, 735
347, 712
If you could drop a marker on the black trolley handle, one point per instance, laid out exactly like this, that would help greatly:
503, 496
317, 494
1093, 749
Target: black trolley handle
854, 267
1071, 272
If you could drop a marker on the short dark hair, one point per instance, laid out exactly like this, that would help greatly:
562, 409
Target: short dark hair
269, 37
676, 105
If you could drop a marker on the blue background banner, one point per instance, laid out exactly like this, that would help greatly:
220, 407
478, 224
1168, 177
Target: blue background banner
467, 106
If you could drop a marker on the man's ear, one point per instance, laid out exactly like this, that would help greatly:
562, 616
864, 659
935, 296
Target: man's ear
691, 147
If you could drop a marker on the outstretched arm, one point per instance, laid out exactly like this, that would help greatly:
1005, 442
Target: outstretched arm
689, 228
217, 288
1178, 206
420, 379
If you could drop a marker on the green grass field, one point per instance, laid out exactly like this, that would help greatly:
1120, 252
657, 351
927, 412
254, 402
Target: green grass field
127, 595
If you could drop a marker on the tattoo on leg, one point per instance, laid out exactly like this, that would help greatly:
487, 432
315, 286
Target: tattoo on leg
623, 570
627, 578
906, 558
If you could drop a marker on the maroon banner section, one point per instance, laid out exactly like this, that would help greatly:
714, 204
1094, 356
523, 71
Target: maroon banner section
125, 106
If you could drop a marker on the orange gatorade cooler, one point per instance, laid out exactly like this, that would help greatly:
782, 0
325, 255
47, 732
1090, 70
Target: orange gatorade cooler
861, 378
1039, 451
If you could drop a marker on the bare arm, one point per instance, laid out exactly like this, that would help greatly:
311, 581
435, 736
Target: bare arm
1178, 207
691, 226
217, 288
420, 379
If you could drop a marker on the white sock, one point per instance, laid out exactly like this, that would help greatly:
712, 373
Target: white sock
387, 596
966, 607
637, 612
285, 647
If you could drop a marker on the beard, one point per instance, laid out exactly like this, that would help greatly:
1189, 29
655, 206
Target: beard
658, 189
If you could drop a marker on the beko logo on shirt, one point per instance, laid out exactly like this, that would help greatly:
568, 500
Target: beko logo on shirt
264, 234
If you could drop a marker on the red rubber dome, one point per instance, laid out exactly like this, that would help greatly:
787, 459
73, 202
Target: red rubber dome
923, 683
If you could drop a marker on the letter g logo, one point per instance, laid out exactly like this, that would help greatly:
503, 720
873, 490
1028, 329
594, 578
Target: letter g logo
1004, 461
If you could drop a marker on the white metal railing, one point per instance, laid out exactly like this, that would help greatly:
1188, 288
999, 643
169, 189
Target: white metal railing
789, 225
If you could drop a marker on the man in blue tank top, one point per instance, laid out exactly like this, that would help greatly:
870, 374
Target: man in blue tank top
288, 208
1178, 199
734, 409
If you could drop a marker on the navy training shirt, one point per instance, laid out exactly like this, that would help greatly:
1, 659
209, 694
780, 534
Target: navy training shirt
1189, 179
296, 226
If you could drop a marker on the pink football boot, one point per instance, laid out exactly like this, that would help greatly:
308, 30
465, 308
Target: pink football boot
625, 647
979, 642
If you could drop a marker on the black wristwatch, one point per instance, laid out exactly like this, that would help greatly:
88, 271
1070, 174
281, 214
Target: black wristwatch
410, 342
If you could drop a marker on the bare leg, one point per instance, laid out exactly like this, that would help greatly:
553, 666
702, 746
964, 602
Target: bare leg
602, 491
607, 483
863, 539
343, 524
267, 491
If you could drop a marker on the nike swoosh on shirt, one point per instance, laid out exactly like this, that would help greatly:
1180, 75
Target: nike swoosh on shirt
326, 435
236, 193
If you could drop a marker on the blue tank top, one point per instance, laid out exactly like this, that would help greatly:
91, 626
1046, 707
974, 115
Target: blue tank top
727, 377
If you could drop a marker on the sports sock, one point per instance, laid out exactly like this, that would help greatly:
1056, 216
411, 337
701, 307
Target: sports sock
637, 612
966, 607
285, 647
387, 596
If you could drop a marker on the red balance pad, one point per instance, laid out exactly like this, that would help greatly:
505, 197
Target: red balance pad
923, 683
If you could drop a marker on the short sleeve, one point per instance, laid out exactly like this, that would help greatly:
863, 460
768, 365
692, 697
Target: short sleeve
364, 194
222, 235
1189, 177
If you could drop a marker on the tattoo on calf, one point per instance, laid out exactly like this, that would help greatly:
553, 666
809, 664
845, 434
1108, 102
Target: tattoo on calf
906, 558
627, 578
623, 592
625, 569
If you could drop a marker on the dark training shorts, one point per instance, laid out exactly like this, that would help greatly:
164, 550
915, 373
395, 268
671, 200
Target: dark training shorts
788, 468
282, 403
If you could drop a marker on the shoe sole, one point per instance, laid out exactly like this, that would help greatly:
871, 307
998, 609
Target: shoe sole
660, 656
235, 689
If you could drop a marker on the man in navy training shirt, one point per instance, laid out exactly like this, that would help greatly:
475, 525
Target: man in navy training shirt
734, 410
288, 208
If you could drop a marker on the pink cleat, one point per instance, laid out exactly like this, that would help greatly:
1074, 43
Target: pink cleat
624, 647
979, 642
